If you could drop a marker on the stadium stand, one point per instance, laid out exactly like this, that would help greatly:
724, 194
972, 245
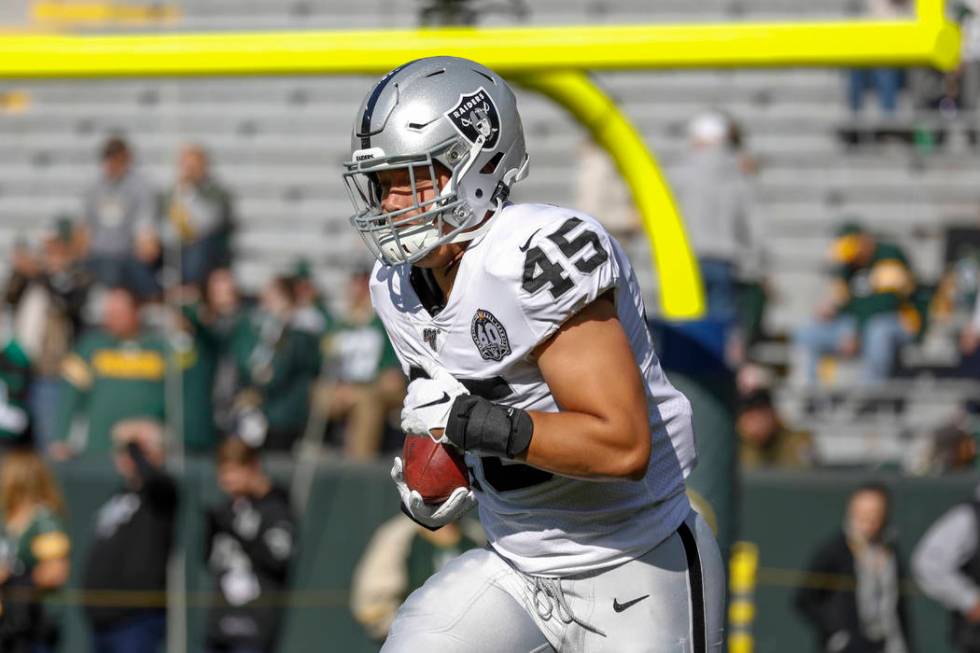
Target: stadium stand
277, 144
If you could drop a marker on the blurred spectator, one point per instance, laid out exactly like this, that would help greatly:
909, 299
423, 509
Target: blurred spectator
312, 314
115, 373
47, 298
754, 376
222, 301
134, 531
368, 380
747, 162
713, 195
15, 384
752, 294
201, 330
468, 12
250, 545
953, 446
955, 450
117, 233
197, 349
276, 367
197, 219
954, 92
870, 311
969, 14
886, 81
970, 336
400, 557
954, 304
23, 268
33, 552
946, 564
227, 319
853, 596
601, 192
764, 441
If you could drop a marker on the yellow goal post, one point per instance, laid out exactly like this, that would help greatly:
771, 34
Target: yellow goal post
550, 60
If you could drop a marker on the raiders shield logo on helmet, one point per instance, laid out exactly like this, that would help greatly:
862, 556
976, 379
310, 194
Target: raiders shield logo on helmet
476, 115
489, 336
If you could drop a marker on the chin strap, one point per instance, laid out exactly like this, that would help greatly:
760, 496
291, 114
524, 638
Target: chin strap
500, 195
474, 234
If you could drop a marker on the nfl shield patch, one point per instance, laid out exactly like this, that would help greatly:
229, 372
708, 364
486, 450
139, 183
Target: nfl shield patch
476, 115
489, 336
430, 335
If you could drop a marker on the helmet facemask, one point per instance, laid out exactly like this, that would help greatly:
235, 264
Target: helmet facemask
408, 234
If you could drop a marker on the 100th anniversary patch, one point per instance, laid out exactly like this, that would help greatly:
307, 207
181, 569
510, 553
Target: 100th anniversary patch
489, 336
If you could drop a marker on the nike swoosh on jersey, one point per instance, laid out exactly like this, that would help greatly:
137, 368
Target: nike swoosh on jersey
619, 607
441, 400
527, 243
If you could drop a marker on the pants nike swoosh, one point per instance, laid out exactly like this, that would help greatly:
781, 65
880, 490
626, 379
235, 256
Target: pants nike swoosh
619, 607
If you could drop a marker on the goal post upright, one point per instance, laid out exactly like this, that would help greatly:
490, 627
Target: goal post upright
549, 59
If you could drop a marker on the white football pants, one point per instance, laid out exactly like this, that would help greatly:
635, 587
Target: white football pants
670, 600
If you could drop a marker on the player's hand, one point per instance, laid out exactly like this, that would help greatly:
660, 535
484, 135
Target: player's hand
428, 402
431, 516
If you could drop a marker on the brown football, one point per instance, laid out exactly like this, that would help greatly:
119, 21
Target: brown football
433, 470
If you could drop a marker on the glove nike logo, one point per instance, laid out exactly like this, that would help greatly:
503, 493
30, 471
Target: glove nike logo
619, 607
441, 400
527, 243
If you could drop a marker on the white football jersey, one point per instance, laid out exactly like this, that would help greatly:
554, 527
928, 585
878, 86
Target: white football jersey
535, 267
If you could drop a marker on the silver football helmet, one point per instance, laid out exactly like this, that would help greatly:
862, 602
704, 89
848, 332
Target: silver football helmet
438, 111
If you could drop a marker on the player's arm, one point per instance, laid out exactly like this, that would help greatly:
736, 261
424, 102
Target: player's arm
602, 429
565, 277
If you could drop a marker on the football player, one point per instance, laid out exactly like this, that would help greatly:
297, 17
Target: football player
522, 331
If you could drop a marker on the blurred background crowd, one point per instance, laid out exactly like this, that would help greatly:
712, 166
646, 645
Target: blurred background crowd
181, 293
139, 289
124, 323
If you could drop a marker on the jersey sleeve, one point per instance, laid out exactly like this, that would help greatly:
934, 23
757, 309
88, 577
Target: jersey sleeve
565, 266
393, 354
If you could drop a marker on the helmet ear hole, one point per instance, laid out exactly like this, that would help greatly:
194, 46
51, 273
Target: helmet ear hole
490, 166
479, 193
